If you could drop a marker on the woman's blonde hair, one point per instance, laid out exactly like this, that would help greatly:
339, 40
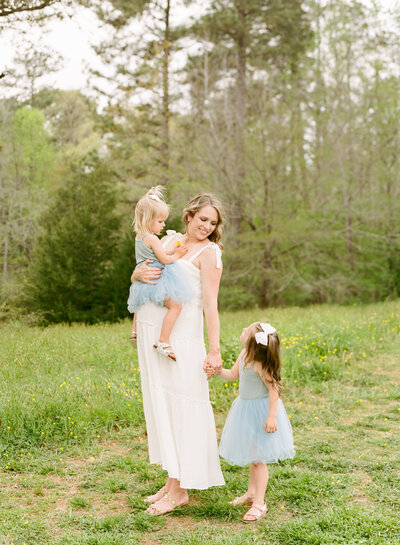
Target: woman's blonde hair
148, 207
268, 356
200, 201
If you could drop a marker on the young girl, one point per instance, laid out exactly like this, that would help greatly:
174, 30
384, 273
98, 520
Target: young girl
257, 430
172, 288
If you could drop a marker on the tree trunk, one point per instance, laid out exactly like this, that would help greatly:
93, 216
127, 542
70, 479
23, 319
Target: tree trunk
240, 121
165, 146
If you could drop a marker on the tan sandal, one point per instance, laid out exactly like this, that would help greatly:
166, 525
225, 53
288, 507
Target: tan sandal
241, 500
155, 497
256, 512
169, 505
165, 350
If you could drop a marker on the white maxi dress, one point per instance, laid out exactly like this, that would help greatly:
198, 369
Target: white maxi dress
179, 418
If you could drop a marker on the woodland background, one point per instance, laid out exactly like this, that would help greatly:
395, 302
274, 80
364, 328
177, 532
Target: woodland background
288, 111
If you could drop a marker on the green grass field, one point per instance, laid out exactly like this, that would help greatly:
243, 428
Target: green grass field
73, 448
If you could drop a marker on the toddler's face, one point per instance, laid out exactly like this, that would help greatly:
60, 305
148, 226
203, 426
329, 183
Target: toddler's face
246, 331
159, 222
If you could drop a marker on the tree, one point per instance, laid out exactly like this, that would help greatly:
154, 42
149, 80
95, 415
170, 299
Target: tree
141, 64
249, 37
26, 162
74, 251
11, 7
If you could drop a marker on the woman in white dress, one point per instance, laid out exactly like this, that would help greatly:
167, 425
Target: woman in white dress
179, 419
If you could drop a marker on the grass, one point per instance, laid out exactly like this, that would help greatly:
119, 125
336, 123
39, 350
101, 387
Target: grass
73, 452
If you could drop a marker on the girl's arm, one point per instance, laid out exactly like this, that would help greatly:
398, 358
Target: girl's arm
270, 425
228, 374
154, 243
210, 279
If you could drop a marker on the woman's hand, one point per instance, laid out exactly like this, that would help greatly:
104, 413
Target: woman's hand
213, 360
146, 274
270, 425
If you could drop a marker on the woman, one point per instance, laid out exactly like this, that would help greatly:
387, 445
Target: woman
179, 418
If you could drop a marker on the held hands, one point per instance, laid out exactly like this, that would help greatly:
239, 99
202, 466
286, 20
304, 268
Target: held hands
270, 425
209, 371
212, 364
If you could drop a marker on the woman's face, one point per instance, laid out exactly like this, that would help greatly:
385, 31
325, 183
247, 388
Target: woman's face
203, 223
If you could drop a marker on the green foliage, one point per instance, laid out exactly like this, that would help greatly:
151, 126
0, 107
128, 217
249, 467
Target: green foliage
74, 251
33, 155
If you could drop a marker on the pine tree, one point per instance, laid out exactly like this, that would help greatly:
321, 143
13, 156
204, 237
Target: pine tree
73, 255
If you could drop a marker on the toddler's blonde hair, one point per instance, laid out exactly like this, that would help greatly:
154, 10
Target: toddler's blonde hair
148, 207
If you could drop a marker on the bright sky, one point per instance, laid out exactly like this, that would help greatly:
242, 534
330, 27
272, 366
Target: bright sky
72, 38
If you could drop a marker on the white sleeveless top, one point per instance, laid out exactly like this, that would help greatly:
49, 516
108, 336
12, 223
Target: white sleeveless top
191, 270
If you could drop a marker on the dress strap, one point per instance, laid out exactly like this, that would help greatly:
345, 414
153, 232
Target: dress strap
209, 245
171, 234
143, 237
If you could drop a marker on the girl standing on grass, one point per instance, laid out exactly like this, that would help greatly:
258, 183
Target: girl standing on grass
173, 287
257, 430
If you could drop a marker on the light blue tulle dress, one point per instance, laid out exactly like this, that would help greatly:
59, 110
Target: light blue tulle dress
244, 439
173, 283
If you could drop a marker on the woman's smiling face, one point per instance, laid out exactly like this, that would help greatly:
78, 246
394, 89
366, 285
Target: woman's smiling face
203, 223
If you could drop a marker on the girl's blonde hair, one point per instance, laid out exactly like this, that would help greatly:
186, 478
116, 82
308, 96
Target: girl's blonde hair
268, 356
148, 207
200, 201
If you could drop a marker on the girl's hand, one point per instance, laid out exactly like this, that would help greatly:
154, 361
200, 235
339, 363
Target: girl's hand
270, 425
180, 250
146, 274
209, 371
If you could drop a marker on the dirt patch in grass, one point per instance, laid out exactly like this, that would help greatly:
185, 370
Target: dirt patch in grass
361, 497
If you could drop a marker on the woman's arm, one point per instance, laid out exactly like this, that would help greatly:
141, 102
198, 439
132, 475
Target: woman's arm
210, 279
145, 273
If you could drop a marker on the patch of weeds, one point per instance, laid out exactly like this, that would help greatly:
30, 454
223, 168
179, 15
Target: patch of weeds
21, 527
120, 523
350, 526
307, 492
385, 488
79, 502
116, 484
85, 539
210, 535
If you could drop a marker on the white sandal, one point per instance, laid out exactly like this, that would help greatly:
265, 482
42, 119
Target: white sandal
256, 511
165, 350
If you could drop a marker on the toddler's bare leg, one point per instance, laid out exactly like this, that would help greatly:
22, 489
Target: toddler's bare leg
133, 336
261, 476
174, 310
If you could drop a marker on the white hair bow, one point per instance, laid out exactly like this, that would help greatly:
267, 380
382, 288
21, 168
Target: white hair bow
155, 197
262, 336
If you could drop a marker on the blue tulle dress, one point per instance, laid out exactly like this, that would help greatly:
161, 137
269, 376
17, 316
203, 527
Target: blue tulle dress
244, 439
173, 283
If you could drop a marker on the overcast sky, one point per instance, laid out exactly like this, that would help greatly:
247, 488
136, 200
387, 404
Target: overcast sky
73, 38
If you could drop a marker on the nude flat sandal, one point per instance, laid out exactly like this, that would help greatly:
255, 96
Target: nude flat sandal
256, 511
